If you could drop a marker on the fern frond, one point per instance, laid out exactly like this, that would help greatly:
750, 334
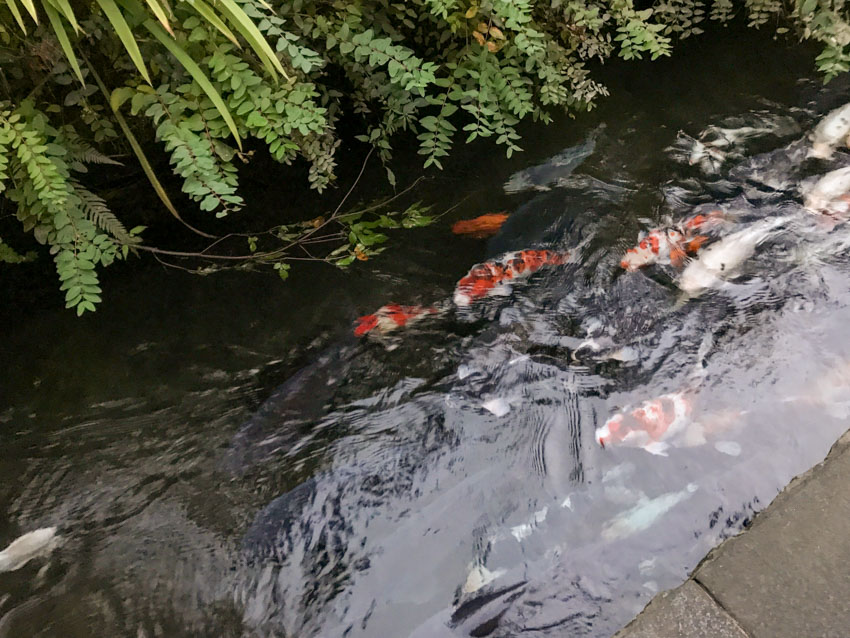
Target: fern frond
97, 212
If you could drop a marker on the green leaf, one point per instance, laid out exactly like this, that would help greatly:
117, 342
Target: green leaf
67, 11
13, 7
194, 70
808, 6
122, 30
121, 95
64, 42
31, 8
237, 17
207, 12
159, 12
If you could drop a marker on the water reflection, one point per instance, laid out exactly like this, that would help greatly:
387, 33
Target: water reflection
446, 478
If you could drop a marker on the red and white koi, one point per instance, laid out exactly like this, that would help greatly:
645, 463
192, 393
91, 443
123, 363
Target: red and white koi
391, 317
670, 245
658, 424
650, 425
492, 277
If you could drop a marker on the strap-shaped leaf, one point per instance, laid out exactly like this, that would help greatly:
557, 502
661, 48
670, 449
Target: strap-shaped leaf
195, 71
240, 20
160, 13
31, 8
65, 8
123, 31
207, 13
64, 42
13, 7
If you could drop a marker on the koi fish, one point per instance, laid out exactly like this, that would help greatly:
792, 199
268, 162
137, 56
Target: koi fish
480, 227
670, 246
707, 156
723, 258
658, 424
658, 246
25, 548
643, 515
543, 176
826, 194
650, 425
831, 131
492, 277
391, 317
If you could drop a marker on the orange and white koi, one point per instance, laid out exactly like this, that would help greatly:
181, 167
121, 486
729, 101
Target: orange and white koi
391, 317
670, 245
492, 277
650, 425
658, 424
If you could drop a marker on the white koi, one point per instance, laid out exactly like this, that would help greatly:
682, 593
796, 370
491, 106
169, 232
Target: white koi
723, 258
23, 549
643, 515
826, 195
832, 130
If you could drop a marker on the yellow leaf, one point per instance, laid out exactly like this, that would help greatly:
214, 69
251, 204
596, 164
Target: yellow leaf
482, 27
318, 221
495, 32
360, 254
478, 37
471, 12
492, 47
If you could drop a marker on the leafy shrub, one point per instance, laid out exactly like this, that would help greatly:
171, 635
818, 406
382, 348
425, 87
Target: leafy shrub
201, 77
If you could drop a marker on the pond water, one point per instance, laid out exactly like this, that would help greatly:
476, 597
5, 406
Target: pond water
223, 457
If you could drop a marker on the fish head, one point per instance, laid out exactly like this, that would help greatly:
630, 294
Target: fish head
611, 432
635, 258
518, 182
820, 150
365, 324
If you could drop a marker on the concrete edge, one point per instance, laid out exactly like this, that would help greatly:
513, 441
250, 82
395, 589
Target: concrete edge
661, 602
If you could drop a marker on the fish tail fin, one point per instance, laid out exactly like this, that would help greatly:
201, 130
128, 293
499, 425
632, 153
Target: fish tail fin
677, 256
693, 245
698, 374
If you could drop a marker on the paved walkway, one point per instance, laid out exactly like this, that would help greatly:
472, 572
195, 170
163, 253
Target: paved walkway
787, 576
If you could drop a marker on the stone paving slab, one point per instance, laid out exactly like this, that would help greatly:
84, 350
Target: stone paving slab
685, 612
789, 574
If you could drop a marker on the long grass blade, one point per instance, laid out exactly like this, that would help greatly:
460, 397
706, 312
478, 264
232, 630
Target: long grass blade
161, 14
140, 154
122, 29
31, 8
13, 7
67, 11
240, 20
64, 42
195, 71
207, 13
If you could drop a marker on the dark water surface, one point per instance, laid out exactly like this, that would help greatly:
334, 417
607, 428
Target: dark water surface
223, 458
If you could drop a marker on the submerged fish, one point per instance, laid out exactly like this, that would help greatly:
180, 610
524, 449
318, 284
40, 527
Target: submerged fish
391, 317
480, 227
721, 259
31, 545
671, 245
492, 277
544, 176
831, 131
660, 246
643, 515
652, 424
825, 197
